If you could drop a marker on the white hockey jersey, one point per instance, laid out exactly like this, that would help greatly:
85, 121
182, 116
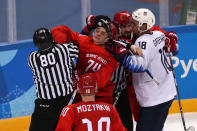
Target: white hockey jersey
155, 60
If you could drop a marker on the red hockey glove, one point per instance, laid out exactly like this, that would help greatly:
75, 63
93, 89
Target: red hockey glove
171, 42
89, 21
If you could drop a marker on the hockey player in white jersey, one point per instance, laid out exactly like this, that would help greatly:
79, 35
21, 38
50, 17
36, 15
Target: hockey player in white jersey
155, 100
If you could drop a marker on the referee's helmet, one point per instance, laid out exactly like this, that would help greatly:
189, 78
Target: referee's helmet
43, 38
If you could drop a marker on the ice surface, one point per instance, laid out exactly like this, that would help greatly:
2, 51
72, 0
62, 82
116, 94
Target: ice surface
174, 121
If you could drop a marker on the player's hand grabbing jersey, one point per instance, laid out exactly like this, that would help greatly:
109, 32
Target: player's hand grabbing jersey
90, 116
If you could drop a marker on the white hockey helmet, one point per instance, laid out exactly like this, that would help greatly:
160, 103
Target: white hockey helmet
143, 15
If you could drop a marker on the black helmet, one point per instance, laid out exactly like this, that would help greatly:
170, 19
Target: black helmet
42, 38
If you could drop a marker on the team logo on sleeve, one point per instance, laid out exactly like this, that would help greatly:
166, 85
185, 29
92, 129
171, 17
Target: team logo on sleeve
64, 111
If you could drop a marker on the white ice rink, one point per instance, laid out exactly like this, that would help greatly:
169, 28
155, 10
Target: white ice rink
174, 122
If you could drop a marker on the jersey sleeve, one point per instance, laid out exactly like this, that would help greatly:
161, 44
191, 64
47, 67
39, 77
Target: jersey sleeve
116, 124
63, 34
147, 49
104, 75
137, 63
29, 60
66, 119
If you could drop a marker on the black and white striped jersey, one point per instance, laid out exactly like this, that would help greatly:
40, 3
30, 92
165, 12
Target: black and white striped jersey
121, 74
52, 70
120, 77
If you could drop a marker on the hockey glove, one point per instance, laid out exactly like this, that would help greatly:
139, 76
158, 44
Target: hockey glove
89, 21
92, 23
116, 49
171, 42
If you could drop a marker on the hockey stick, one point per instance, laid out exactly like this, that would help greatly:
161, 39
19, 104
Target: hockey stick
72, 97
191, 128
75, 91
153, 78
116, 98
148, 72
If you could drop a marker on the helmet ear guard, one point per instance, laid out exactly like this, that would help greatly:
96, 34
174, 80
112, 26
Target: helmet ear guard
144, 16
42, 38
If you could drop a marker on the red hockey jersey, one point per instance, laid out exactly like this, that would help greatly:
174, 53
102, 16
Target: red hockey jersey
92, 59
90, 116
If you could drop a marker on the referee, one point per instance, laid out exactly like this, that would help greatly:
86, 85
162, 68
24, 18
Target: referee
121, 101
52, 67
122, 78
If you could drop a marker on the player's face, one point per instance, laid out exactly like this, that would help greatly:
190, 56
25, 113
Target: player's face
126, 30
100, 35
135, 25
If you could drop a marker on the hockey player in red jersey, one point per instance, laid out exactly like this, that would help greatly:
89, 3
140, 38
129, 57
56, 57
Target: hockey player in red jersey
89, 115
120, 76
93, 58
123, 20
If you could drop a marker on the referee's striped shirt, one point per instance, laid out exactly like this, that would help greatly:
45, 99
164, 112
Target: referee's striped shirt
121, 74
52, 70
120, 77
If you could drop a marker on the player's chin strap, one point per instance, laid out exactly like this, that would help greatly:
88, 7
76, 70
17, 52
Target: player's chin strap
191, 128
141, 31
